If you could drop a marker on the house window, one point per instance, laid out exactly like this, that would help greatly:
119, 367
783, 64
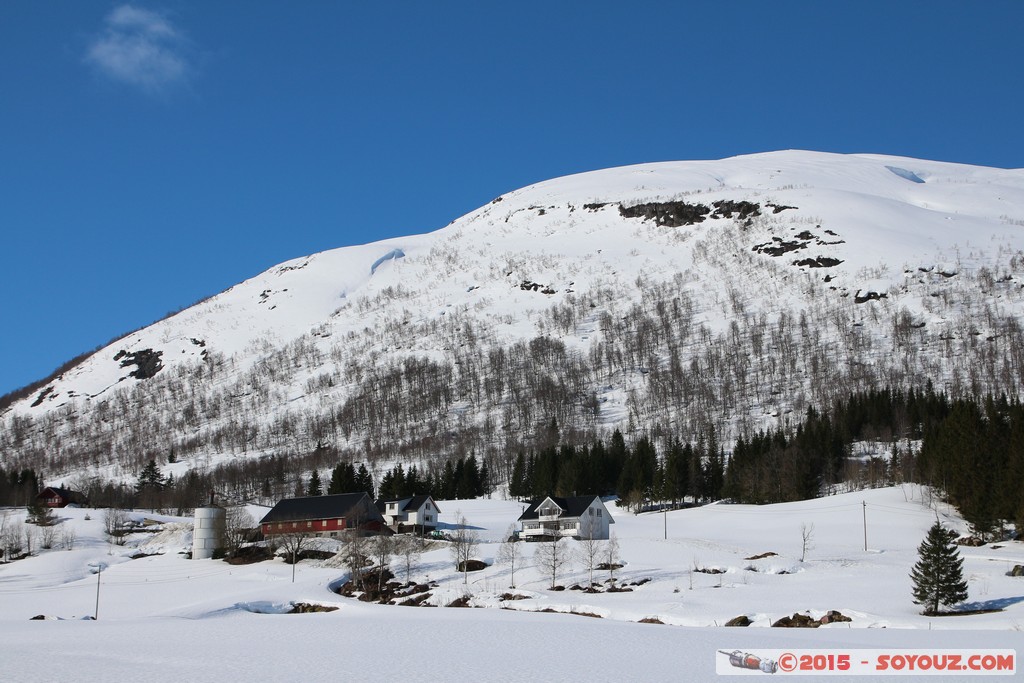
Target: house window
280, 525
599, 513
590, 511
309, 525
324, 524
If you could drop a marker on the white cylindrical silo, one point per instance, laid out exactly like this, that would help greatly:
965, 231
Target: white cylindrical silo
208, 533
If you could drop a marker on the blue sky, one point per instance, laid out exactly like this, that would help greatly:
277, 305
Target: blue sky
154, 153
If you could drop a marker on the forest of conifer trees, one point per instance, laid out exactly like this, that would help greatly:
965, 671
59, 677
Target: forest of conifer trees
970, 450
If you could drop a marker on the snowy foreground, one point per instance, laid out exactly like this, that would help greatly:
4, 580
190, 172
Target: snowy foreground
166, 618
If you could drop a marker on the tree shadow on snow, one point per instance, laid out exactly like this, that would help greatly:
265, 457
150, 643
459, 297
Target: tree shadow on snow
996, 605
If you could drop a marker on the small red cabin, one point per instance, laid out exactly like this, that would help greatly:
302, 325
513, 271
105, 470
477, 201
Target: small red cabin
53, 497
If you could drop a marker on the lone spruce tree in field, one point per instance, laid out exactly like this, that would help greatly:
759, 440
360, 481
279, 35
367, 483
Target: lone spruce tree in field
938, 575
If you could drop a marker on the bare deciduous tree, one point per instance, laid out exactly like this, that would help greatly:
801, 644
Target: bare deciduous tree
292, 544
590, 551
354, 554
11, 537
29, 534
806, 539
382, 548
611, 556
47, 536
237, 525
551, 557
409, 550
463, 543
510, 552
68, 536
115, 524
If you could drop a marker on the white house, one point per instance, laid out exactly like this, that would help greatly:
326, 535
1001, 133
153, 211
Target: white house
576, 517
415, 513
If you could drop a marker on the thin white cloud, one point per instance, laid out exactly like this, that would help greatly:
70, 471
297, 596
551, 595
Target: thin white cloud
139, 47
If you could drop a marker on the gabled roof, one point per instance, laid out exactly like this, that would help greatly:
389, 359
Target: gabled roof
417, 502
66, 494
317, 507
413, 503
574, 506
382, 504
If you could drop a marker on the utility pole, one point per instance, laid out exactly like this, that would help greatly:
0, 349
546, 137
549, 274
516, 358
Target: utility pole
865, 508
665, 510
99, 571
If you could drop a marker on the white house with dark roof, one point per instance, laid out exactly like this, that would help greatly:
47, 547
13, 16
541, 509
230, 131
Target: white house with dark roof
575, 517
415, 513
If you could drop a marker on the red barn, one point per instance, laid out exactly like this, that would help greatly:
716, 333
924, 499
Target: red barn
323, 515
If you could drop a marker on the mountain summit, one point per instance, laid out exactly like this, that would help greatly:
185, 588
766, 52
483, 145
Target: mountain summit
668, 298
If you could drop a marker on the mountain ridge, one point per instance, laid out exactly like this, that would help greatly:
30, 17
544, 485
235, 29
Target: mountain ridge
845, 254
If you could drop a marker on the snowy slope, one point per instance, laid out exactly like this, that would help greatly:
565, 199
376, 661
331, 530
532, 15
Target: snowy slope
169, 616
884, 218
936, 242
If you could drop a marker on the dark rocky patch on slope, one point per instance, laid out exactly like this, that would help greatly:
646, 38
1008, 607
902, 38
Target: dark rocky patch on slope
859, 298
147, 362
668, 214
677, 214
779, 246
743, 210
818, 262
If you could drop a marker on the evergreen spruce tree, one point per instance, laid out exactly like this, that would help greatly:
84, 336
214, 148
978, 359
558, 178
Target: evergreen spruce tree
392, 485
387, 485
468, 484
364, 480
413, 485
344, 479
485, 480
40, 515
938, 575
447, 481
150, 478
517, 487
150, 486
314, 488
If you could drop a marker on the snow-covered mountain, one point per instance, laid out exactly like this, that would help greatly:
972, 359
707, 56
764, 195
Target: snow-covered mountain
669, 297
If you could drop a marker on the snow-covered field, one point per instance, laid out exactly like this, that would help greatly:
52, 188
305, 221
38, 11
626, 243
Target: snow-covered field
167, 618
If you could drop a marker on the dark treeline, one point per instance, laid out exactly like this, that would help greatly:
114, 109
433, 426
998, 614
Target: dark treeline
465, 478
462, 479
975, 453
772, 467
814, 457
637, 474
971, 449
19, 487
150, 490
